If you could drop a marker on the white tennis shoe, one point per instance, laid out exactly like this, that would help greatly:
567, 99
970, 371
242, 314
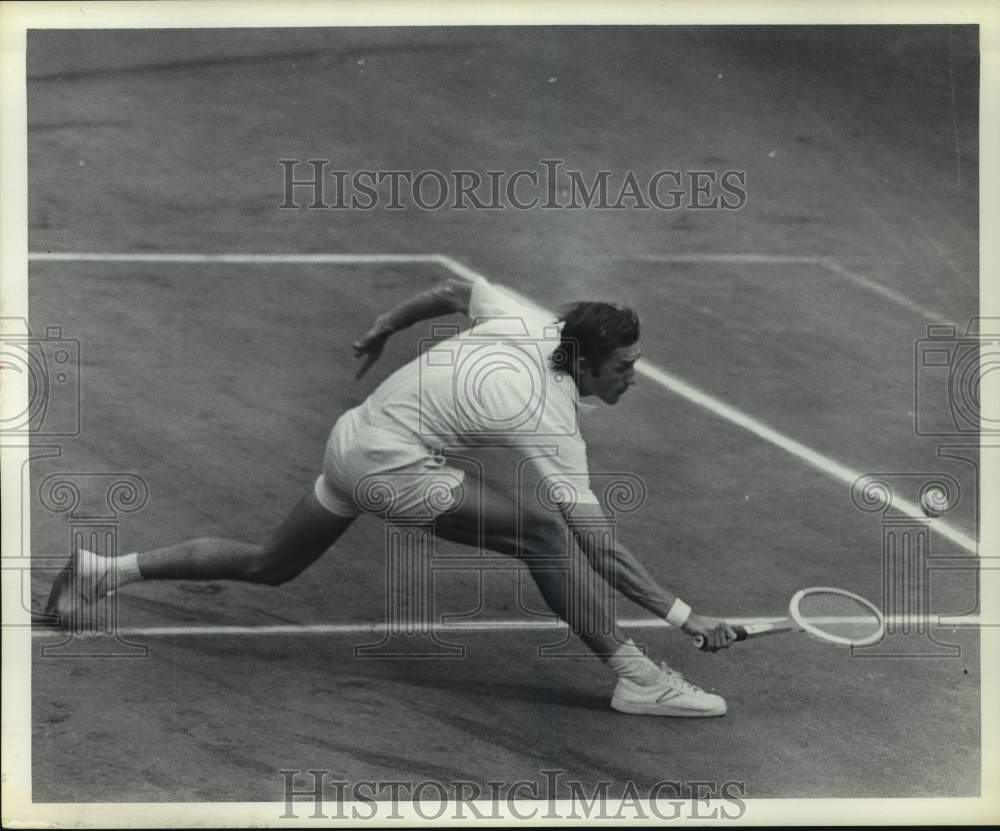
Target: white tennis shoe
671, 695
75, 591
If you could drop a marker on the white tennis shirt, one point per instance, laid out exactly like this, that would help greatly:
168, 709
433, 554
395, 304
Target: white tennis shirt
491, 385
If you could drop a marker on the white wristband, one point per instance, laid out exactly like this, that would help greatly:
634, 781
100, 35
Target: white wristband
679, 613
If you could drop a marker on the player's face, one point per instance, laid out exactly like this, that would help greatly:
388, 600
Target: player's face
611, 379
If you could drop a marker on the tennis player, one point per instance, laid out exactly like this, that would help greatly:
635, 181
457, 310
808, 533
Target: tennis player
515, 379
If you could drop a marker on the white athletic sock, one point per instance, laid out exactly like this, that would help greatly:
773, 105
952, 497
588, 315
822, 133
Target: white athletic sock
127, 568
629, 662
95, 566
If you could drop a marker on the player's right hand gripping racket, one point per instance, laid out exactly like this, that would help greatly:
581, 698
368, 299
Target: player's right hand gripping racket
830, 615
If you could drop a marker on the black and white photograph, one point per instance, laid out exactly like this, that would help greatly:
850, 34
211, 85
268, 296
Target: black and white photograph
454, 414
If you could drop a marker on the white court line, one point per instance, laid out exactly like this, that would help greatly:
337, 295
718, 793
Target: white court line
366, 628
445, 628
822, 463
243, 259
892, 295
358, 259
827, 263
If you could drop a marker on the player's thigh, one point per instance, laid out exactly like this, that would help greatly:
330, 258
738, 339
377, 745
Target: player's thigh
483, 516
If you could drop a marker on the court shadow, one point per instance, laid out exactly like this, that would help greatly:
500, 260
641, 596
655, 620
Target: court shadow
532, 693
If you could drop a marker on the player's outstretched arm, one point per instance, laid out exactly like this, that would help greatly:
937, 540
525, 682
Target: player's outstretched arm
623, 571
453, 295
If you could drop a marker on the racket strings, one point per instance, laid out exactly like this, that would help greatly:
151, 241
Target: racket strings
839, 616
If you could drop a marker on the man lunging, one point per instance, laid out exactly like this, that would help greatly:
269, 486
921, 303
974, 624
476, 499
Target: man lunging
514, 379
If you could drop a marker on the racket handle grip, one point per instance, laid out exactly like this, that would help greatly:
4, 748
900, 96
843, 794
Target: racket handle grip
702, 644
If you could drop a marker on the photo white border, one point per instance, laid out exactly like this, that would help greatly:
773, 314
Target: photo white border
16, 18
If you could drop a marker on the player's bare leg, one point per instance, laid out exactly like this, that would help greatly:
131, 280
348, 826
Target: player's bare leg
571, 589
302, 538
544, 543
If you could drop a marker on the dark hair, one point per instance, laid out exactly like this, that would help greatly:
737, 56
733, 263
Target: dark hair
593, 331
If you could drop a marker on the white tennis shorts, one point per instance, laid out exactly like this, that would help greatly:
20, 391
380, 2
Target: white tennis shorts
370, 469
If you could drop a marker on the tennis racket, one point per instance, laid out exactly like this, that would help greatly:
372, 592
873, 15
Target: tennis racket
830, 615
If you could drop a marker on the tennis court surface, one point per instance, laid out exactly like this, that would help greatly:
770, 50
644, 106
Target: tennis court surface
214, 384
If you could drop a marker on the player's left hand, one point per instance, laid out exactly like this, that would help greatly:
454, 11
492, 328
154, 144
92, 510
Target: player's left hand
717, 633
369, 346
